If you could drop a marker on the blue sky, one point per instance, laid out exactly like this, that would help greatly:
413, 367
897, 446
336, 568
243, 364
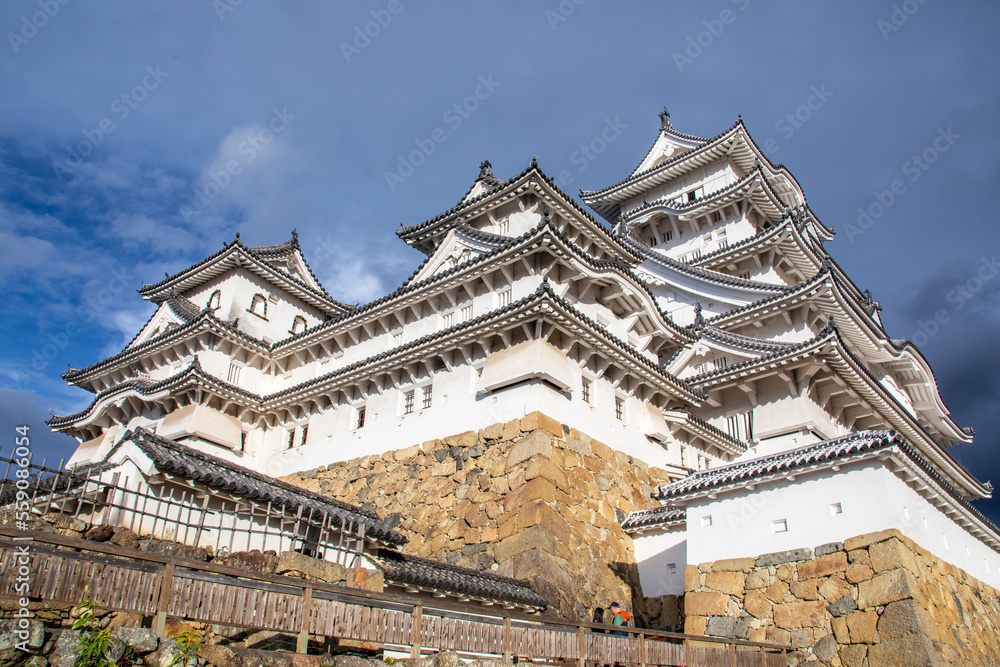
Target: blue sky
118, 121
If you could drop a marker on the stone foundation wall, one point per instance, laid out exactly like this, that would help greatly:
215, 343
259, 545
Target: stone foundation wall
532, 499
876, 599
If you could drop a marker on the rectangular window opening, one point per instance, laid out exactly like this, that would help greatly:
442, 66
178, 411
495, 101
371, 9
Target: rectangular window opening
408, 402
234, 374
360, 420
836, 508
503, 298
585, 391
619, 408
427, 396
706, 521
779, 526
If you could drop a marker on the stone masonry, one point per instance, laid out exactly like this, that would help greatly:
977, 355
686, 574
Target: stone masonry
877, 599
531, 498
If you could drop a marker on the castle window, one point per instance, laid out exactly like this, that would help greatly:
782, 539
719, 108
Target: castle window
305, 434
359, 420
706, 521
234, 373
298, 324
740, 426
619, 408
408, 402
836, 508
466, 313
585, 390
503, 298
692, 195
243, 441
214, 300
668, 236
291, 438
258, 306
427, 396
447, 320
397, 339
779, 526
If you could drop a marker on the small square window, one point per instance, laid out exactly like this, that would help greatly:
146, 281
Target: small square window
779, 526
672, 568
706, 521
837, 508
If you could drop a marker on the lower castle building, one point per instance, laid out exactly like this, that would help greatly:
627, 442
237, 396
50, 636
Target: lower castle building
604, 407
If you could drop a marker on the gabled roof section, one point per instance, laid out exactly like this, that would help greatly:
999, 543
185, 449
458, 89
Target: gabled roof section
656, 518
669, 143
863, 445
283, 265
705, 275
735, 143
175, 458
423, 574
753, 186
205, 321
485, 183
427, 235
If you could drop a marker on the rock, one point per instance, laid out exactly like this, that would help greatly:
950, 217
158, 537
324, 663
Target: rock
536, 443
61, 521
141, 640
757, 604
858, 572
843, 605
101, 533
445, 659
826, 648
705, 604
826, 549
220, 656
163, 656
36, 661
350, 661
116, 649
64, 652
731, 583
795, 615
910, 651
862, 541
885, 588
9, 639
780, 557
776, 592
730, 628
853, 655
251, 560
891, 554
124, 537
734, 565
692, 578
540, 420
901, 618
823, 566
862, 625
321, 570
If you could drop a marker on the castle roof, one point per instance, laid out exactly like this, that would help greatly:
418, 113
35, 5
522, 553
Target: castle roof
423, 574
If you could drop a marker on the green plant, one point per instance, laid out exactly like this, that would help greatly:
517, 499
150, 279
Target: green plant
188, 644
389, 660
95, 641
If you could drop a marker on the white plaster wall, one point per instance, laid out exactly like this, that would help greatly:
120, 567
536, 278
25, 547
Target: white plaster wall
654, 554
872, 499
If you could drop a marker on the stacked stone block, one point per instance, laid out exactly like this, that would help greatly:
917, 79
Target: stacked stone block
530, 498
876, 599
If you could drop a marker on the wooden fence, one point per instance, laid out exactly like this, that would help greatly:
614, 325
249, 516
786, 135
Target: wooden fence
65, 570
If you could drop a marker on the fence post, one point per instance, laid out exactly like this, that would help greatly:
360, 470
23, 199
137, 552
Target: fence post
582, 643
687, 651
302, 644
418, 622
642, 650
163, 603
507, 639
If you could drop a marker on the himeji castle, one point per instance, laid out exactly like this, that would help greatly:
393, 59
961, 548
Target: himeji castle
692, 335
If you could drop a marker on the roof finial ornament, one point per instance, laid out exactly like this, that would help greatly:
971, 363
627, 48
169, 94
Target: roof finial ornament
665, 119
167, 275
547, 216
699, 318
485, 169
295, 235
534, 161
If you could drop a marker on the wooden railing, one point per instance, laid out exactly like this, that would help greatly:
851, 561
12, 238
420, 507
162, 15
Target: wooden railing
65, 570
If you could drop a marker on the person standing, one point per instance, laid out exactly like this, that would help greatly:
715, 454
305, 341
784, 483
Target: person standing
620, 617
